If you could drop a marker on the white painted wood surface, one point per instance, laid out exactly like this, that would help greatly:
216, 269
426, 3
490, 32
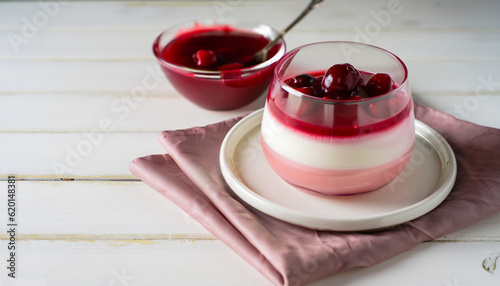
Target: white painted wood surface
71, 79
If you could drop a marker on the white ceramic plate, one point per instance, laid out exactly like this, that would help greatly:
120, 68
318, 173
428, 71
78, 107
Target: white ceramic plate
422, 186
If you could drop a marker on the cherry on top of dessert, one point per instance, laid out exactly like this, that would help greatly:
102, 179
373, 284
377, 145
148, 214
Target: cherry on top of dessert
379, 84
341, 78
342, 82
302, 80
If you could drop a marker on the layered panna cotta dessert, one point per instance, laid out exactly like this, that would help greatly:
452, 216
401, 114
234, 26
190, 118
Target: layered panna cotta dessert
338, 132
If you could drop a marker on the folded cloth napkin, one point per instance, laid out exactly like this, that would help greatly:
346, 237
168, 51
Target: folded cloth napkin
190, 176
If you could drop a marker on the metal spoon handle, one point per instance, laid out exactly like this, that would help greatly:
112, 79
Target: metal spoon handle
313, 4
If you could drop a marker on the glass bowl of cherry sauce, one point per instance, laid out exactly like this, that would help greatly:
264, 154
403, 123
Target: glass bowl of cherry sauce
338, 118
210, 62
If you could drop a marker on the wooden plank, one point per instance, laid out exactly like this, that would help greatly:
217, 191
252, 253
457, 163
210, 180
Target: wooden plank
100, 210
59, 263
94, 154
83, 45
76, 210
458, 76
454, 15
84, 112
154, 262
56, 45
436, 264
483, 230
101, 146
77, 77
413, 46
482, 110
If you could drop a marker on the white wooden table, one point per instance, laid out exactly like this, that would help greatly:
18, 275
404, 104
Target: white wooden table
74, 111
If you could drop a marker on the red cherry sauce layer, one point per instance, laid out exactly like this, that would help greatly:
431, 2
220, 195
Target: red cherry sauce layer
340, 83
216, 48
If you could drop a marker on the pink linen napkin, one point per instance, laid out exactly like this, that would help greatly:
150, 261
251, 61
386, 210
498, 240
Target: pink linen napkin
190, 176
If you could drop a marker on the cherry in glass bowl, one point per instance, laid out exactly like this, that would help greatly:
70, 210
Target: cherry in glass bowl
338, 118
210, 62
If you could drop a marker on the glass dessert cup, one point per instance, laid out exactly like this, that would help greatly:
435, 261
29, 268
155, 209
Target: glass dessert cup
338, 147
234, 86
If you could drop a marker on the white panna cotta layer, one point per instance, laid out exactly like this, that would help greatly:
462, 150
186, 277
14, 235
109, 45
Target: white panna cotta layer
338, 153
